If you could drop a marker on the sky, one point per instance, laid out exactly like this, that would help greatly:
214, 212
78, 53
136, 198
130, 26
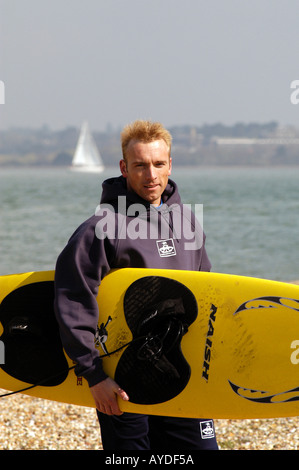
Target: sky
180, 62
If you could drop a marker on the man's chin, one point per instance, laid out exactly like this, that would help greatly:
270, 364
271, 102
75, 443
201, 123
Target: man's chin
151, 198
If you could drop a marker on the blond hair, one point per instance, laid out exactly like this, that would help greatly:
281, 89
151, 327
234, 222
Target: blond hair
144, 131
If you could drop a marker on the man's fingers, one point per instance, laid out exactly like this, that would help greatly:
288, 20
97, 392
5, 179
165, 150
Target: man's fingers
122, 394
105, 394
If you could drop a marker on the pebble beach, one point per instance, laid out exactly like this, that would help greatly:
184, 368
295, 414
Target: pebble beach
35, 424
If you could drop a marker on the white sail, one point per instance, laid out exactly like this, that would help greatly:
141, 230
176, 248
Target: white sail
87, 156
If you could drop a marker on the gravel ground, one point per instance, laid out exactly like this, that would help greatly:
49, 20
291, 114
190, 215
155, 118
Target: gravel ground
35, 424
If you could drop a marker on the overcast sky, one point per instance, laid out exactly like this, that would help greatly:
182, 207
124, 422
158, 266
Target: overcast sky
177, 61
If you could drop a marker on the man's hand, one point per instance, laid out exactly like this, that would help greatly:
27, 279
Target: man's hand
105, 396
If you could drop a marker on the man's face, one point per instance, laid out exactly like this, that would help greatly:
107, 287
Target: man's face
146, 169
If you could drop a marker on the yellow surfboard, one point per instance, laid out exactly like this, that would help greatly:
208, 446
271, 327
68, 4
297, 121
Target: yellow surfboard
180, 343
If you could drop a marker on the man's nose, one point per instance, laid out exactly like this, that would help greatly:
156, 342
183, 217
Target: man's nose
151, 173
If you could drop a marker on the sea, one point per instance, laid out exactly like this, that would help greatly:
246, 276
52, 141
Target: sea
250, 216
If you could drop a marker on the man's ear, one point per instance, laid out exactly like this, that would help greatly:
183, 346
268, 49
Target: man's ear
123, 168
170, 166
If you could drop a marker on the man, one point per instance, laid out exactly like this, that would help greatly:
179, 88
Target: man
116, 238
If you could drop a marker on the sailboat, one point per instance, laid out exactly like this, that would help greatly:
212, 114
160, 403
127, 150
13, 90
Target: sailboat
87, 157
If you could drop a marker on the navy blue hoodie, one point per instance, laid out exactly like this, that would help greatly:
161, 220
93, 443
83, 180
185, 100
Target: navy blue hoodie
125, 231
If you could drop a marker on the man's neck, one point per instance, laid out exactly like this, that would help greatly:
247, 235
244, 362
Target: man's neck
159, 205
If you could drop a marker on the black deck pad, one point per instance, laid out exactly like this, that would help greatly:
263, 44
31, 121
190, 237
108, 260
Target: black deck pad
33, 349
158, 312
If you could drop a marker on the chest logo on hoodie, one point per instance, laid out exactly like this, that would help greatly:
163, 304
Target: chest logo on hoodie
166, 248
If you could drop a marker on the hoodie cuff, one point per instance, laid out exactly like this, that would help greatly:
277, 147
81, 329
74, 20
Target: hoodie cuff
94, 374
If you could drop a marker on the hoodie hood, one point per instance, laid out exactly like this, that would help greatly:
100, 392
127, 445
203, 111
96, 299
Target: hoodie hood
115, 187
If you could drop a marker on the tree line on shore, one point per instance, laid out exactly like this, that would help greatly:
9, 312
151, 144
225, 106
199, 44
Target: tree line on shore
192, 145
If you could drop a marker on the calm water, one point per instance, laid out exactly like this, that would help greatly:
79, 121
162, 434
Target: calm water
251, 216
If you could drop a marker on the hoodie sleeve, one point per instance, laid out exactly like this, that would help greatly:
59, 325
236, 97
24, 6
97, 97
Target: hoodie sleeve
79, 270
